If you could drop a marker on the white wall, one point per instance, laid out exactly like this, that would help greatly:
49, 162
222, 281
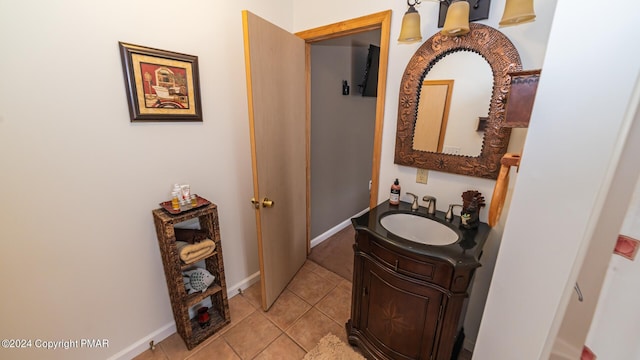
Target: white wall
571, 154
530, 40
79, 254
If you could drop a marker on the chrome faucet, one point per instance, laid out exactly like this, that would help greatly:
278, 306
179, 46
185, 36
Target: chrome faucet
431, 204
414, 205
449, 215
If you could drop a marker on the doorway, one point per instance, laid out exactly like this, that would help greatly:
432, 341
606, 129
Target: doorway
576, 320
342, 130
374, 22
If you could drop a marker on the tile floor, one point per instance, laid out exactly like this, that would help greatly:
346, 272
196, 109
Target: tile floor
316, 302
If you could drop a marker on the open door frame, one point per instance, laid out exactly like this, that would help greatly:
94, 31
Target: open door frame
382, 21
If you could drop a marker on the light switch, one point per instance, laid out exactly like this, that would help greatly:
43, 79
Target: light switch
421, 176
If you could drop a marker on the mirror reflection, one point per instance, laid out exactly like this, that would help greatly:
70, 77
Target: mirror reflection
455, 94
433, 115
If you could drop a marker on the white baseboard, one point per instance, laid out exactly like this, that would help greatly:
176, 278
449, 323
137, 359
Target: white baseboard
142, 345
334, 230
469, 344
167, 330
243, 285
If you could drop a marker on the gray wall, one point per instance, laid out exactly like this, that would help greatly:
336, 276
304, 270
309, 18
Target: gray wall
342, 129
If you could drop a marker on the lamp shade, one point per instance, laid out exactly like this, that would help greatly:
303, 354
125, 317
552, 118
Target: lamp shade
517, 12
410, 30
457, 21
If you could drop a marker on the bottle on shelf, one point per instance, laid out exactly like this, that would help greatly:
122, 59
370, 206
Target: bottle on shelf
394, 197
175, 204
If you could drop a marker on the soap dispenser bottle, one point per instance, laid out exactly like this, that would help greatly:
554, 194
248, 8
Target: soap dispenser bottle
394, 197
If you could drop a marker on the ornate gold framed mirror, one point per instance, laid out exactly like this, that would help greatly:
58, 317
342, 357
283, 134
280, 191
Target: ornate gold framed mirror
503, 58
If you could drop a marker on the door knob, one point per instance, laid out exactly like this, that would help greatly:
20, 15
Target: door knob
255, 203
267, 203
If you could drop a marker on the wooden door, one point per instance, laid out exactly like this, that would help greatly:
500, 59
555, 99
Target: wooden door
276, 90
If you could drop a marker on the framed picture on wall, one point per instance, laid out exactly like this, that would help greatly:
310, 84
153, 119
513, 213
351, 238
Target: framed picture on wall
161, 85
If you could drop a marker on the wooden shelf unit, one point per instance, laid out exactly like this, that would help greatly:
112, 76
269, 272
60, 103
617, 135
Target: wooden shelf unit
181, 302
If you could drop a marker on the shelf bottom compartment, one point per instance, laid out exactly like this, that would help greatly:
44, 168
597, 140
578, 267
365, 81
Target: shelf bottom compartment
199, 334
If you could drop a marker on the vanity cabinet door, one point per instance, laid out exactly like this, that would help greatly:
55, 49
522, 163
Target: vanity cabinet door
399, 316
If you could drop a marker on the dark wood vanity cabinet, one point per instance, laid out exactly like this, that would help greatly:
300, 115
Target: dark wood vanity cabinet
398, 315
407, 304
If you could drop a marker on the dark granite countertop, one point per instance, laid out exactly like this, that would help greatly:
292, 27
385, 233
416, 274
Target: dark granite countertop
465, 252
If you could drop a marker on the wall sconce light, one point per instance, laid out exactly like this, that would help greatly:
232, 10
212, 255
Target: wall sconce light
478, 11
457, 20
456, 13
517, 12
410, 30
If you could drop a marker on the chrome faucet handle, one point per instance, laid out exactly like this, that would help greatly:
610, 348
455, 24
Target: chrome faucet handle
414, 204
431, 204
449, 215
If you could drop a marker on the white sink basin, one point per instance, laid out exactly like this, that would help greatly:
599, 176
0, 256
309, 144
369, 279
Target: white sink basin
419, 229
